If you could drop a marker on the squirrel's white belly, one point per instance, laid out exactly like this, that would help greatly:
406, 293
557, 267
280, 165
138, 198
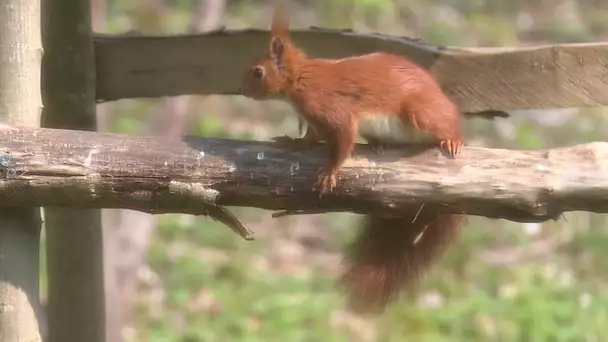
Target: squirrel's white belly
390, 129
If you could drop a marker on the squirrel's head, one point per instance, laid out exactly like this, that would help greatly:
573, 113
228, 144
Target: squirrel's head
262, 80
270, 76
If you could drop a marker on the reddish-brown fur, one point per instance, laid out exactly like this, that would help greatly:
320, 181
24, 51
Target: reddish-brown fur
333, 96
392, 252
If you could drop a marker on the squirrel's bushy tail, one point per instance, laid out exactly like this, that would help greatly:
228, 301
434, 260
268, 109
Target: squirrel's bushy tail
390, 254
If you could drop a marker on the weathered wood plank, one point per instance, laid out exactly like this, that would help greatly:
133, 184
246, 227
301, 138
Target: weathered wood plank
552, 76
87, 169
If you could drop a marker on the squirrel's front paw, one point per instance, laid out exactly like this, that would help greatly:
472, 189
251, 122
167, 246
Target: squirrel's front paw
326, 181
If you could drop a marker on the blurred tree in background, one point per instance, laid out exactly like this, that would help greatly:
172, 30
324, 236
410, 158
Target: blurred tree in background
504, 281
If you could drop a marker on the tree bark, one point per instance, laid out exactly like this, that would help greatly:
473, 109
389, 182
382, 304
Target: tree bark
74, 236
20, 103
196, 175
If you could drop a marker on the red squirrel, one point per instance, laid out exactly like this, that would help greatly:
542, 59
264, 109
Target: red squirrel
386, 99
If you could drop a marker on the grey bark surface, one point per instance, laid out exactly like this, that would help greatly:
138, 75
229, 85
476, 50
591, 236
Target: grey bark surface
74, 236
477, 79
192, 175
20, 103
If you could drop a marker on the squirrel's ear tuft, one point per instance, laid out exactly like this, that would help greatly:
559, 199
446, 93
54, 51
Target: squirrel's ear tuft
281, 49
280, 21
277, 50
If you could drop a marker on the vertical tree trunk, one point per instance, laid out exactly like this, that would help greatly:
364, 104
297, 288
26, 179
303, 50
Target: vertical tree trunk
20, 103
74, 237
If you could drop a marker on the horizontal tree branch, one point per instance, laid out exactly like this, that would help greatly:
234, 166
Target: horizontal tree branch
49, 167
477, 79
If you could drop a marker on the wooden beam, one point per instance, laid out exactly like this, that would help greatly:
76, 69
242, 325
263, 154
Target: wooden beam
551, 76
74, 246
20, 104
159, 175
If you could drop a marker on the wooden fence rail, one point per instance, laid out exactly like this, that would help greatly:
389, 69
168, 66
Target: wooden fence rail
477, 79
50, 167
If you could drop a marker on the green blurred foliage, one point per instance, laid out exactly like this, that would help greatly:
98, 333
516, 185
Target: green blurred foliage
503, 281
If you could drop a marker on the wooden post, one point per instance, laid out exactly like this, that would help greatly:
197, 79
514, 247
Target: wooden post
74, 237
20, 53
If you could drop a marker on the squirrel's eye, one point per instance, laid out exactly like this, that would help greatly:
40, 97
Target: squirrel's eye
258, 72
